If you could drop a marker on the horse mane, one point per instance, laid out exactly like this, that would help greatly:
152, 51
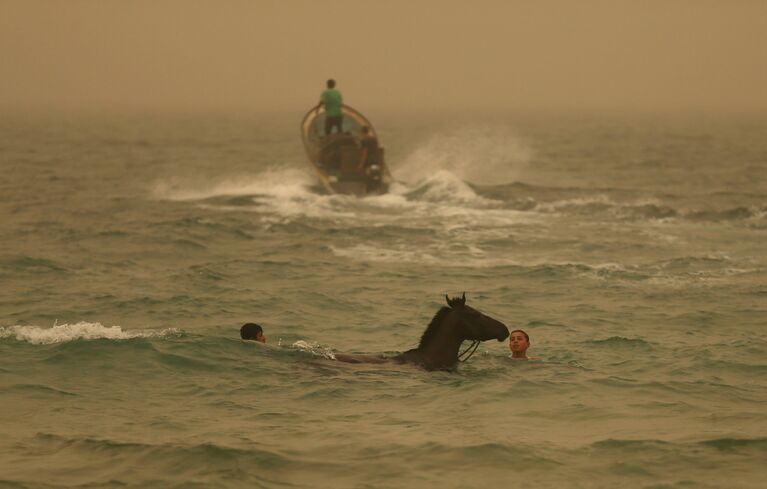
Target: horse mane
433, 326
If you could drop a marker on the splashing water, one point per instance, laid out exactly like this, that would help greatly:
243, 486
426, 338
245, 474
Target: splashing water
481, 155
320, 351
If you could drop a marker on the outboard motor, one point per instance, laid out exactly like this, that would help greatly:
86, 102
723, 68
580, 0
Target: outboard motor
374, 172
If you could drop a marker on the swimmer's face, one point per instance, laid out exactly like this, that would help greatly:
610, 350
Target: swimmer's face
260, 337
518, 342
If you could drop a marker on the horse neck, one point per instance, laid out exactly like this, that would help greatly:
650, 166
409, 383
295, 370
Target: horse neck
442, 348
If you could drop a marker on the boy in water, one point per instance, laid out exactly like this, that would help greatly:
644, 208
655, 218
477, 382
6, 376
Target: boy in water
519, 342
252, 331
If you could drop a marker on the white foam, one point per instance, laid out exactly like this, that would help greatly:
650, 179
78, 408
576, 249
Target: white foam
63, 333
316, 350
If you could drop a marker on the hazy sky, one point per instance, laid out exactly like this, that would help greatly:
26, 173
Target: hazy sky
509, 55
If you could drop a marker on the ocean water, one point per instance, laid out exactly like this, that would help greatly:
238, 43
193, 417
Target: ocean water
632, 250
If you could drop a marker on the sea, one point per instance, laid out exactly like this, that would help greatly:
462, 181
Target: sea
631, 248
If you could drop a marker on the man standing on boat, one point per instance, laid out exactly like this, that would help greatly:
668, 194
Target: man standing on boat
332, 100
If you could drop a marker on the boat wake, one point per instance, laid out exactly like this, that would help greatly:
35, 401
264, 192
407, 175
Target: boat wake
278, 182
467, 177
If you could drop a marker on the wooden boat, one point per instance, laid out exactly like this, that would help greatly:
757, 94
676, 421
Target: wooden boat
339, 160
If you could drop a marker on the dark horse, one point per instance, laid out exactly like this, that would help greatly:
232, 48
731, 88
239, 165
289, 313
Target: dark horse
438, 349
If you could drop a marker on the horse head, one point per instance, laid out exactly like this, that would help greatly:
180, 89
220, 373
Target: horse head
474, 324
448, 329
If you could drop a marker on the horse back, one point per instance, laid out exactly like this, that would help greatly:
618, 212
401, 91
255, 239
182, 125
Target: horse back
410, 356
349, 358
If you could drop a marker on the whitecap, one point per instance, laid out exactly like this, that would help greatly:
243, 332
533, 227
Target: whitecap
63, 333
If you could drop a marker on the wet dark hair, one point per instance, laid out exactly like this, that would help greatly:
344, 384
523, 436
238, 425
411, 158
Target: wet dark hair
520, 331
250, 331
331, 83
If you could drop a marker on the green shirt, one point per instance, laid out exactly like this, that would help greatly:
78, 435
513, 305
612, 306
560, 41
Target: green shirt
332, 100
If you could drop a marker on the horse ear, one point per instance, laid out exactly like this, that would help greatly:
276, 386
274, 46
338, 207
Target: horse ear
455, 301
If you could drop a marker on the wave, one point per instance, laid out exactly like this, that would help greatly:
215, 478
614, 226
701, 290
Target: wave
188, 460
64, 333
622, 342
734, 444
720, 444
732, 214
681, 271
738, 366
645, 209
472, 252
39, 389
31, 264
101, 444
254, 464
633, 445
622, 204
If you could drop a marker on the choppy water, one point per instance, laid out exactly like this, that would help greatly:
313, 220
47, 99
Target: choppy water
632, 251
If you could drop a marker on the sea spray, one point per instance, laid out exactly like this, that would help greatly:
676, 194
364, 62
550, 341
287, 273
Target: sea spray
478, 154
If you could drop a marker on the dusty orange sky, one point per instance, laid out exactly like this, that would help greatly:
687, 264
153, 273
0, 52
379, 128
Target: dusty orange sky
401, 55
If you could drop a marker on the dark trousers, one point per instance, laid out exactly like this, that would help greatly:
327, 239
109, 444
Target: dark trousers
331, 122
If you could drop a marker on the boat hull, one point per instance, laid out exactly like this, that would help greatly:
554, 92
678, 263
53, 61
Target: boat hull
339, 161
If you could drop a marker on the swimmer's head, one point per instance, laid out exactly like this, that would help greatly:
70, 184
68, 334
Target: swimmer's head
252, 331
519, 341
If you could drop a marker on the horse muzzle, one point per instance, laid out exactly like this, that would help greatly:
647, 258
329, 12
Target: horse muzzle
504, 334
